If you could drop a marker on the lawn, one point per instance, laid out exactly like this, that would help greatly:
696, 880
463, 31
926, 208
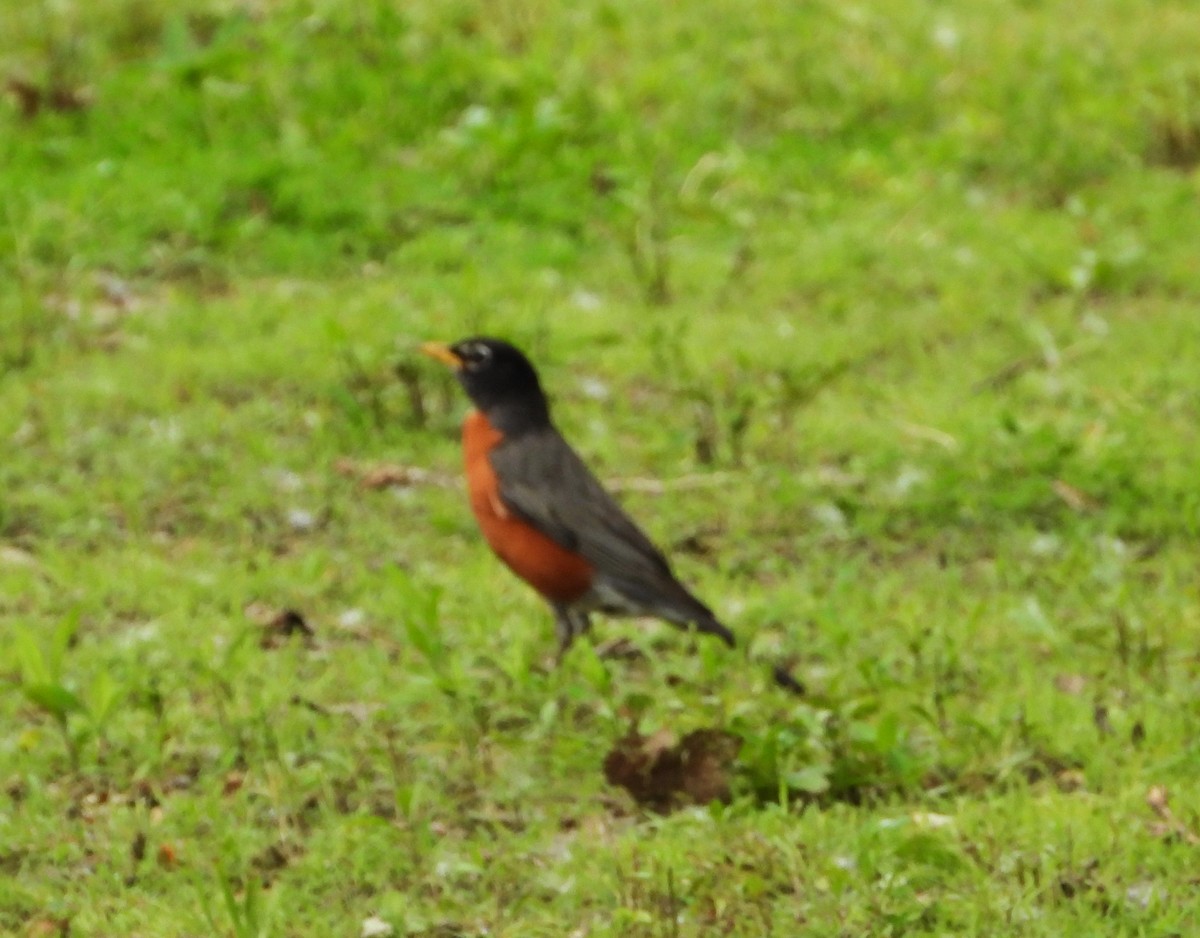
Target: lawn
881, 317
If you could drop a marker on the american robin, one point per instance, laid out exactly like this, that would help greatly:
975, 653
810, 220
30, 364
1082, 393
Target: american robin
545, 514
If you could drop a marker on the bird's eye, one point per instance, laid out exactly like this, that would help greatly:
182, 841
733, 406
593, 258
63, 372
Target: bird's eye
477, 353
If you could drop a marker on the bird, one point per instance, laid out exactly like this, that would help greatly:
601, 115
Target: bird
545, 514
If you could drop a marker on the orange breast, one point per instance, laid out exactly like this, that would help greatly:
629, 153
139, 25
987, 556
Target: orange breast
552, 570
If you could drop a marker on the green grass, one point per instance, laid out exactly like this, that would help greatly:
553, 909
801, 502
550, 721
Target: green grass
904, 294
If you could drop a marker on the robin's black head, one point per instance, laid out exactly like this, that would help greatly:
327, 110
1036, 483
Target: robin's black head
499, 380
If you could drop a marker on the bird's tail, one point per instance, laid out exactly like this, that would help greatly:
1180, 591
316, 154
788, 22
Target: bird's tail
781, 673
710, 625
696, 615
687, 612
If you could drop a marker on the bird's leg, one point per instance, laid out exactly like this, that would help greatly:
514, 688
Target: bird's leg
569, 624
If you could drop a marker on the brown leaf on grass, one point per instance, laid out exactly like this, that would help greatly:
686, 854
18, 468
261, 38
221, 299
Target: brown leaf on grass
358, 711
390, 475
1072, 684
143, 793
662, 772
1158, 800
397, 475
271, 859
137, 848
17, 789
167, 857
1080, 880
283, 625
619, 649
444, 930
47, 927
602, 180
31, 98
1075, 499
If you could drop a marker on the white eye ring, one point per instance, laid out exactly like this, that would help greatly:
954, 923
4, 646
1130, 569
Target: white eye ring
480, 352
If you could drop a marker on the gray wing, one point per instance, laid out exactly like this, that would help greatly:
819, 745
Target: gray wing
544, 482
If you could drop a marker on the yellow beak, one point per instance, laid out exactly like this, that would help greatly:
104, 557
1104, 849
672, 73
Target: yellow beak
442, 353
